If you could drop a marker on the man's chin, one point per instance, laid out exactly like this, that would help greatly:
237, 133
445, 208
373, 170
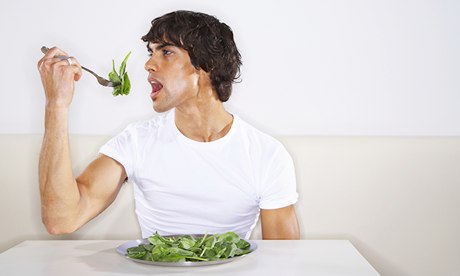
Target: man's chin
160, 109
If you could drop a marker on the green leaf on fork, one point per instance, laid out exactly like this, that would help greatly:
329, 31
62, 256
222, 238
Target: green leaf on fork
121, 77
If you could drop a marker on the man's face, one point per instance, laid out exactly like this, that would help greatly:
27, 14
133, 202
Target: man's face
173, 78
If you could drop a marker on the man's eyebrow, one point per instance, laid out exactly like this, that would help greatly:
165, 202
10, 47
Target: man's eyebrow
159, 46
164, 44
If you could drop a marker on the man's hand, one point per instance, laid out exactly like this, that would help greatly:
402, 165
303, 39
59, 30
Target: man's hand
58, 76
279, 224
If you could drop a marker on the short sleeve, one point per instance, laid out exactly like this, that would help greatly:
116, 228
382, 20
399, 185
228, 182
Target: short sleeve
122, 148
279, 183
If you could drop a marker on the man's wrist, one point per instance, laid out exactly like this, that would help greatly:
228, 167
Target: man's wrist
56, 117
56, 107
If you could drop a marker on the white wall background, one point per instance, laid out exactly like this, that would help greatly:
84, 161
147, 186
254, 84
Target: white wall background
310, 67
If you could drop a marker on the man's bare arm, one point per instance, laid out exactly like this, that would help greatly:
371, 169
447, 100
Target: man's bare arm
279, 224
67, 202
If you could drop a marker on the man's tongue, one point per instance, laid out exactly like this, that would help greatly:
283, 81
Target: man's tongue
156, 87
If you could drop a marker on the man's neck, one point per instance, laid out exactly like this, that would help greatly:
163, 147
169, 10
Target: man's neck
204, 123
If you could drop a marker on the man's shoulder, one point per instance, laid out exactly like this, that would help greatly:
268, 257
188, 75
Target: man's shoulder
140, 132
264, 150
258, 138
153, 124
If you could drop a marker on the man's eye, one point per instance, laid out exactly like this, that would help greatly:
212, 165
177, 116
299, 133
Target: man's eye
166, 52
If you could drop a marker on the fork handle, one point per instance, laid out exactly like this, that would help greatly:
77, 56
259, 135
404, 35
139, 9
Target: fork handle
45, 49
89, 71
82, 67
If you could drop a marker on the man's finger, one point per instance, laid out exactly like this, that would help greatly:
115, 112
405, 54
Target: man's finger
55, 51
77, 67
51, 53
72, 63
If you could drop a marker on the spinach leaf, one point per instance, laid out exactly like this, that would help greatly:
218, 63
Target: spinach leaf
187, 243
121, 79
136, 252
123, 65
113, 76
229, 237
242, 244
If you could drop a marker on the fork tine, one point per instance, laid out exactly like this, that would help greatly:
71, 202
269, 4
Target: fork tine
100, 80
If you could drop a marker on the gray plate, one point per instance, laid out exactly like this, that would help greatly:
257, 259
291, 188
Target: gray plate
123, 247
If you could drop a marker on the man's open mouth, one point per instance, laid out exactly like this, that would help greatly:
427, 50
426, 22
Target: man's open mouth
156, 87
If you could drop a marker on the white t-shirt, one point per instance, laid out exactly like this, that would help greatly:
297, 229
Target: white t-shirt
182, 186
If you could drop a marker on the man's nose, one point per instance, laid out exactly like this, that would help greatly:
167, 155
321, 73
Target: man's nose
151, 65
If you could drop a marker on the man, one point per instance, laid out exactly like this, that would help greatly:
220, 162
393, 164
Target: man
195, 167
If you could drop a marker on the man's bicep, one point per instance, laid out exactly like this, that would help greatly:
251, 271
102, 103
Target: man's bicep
279, 224
100, 183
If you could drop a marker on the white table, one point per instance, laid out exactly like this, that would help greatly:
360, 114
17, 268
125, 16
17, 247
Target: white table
98, 257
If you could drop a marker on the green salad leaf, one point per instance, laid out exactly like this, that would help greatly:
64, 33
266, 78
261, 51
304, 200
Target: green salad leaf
121, 78
185, 248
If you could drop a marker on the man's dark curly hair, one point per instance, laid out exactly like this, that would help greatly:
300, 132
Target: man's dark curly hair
208, 41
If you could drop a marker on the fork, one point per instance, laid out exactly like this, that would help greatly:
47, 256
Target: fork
100, 80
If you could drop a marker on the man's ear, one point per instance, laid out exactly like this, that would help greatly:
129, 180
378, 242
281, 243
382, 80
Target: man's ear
204, 78
205, 84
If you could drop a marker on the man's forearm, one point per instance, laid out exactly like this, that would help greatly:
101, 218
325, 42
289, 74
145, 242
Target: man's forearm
58, 188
